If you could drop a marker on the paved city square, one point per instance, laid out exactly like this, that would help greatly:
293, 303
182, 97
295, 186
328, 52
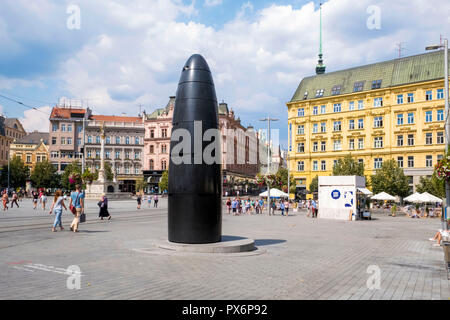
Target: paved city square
302, 258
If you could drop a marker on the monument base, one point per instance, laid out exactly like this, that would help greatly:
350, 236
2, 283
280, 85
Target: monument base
96, 189
232, 246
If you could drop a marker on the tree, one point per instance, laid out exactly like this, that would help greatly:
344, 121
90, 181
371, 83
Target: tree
140, 185
432, 185
18, 174
45, 175
164, 182
348, 166
314, 185
71, 176
391, 179
282, 176
108, 173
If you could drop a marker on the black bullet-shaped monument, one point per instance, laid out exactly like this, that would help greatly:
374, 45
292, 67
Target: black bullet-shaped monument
195, 188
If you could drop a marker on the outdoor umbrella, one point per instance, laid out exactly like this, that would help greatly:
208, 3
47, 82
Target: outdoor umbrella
413, 198
274, 193
383, 196
428, 198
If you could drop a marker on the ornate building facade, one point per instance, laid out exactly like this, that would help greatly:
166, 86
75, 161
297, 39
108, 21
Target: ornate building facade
32, 149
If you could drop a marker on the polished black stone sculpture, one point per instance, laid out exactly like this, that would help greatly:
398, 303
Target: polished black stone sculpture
195, 189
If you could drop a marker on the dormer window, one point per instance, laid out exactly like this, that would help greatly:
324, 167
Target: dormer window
358, 86
305, 96
319, 93
376, 84
336, 90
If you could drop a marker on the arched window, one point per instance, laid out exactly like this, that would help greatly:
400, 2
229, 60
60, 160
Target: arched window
164, 165
152, 164
152, 149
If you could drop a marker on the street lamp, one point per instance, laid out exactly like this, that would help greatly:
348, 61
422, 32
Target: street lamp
268, 119
447, 124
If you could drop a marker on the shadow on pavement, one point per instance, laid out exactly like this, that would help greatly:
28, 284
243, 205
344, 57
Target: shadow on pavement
268, 242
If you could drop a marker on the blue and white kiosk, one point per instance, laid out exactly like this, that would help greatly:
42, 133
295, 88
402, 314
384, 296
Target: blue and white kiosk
343, 198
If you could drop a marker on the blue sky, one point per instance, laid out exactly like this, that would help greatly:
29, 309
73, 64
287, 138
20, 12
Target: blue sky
130, 53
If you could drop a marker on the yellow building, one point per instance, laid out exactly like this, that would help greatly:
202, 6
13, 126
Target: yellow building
388, 110
32, 148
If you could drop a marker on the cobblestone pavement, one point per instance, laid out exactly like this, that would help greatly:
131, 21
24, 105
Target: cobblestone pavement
305, 259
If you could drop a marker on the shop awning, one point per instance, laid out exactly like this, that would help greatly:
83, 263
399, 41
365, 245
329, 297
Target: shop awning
365, 191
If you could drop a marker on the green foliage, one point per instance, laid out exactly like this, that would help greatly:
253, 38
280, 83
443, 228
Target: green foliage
348, 166
45, 175
140, 185
164, 182
314, 185
108, 172
391, 179
73, 169
432, 185
18, 174
278, 180
88, 176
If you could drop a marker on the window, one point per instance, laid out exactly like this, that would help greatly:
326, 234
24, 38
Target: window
137, 140
361, 143
78, 141
108, 154
315, 146
337, 126
163, 133
108, 140
55, 127
378, 102
337, 107
440, 137
410, 180
69, 140
378, 122
376, 84
89, 154
428, 116
152, 133
89, 140
410, 97
63, 140
300, 113
400, 162
63, 128
410, 139
323, 146
440, 115
301, 166
97, 139
323, 109
315, 165
127, 140
80, 129
164, 165
38, 159
377, 163
361, 161
336, 90
136, 170
301, 147
117, 155
378, 142
137, 155
319, 93
429, 161
351, 144
323, 127
358, 86
440, 94
399, 119
127, 155
53, 140
360, 104
360, 123
439, 157
117, 140
400, 99
335, 162
337, 145
315, 128
400, 140
152, 164
54, 154
323, 165
127, 169
69, 128
28, 158
97, 154
428, 138
305, 96
351, 124
411, 162
410, 118
351, 106
429, 95
301, 129
315, 110
163, 148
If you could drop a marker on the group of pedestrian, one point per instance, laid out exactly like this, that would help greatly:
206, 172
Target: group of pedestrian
76, 206
5, 199
239, 206
282, 205
312, 208
40, 197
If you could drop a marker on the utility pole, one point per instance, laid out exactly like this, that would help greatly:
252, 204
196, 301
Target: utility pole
268, 119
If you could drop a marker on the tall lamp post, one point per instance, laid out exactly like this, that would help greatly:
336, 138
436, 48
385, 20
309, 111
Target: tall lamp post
268, 119
447, 124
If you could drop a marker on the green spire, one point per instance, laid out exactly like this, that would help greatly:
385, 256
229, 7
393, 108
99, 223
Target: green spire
320, 68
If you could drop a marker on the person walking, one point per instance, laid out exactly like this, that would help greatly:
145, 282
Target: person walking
139, 201
15, 197
35, 199
229, 205
5, 200
103, 204
149, 200
282, 207
286, 207
57, 206
77, 203
234, 205
43, 200
314, 208
155, 201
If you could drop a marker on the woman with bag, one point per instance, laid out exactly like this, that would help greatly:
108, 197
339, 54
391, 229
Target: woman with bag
57, 205
77, 207
103, 204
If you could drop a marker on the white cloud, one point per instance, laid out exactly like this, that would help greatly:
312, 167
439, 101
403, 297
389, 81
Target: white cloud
212, 3
36, 119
